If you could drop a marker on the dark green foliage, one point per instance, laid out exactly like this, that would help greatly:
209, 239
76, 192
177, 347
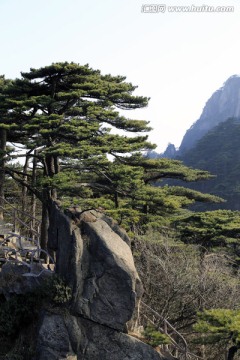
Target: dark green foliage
20, 310
55, 290
63, 108
126, 189
155, 337
220, 325
64, 113
212, 229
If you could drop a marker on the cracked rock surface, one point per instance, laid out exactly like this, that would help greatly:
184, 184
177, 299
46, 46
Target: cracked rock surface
94, 257
98, 265
74, 338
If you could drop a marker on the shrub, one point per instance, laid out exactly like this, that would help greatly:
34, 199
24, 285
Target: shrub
154, 337
20, 310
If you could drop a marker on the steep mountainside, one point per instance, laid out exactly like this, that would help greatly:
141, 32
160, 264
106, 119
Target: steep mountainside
212, 143
223, 104
219, 153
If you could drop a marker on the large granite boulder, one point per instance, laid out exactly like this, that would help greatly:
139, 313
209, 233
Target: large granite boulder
68, 337
97, 264
94, 257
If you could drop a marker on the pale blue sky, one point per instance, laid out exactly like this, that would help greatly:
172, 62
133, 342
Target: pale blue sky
177, 59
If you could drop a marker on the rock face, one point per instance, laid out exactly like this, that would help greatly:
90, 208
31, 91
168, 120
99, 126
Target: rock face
97, 264
16, 279
170, 152
93, 255
73, 338
223, 104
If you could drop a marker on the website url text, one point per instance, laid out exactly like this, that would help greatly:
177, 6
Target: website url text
162, 8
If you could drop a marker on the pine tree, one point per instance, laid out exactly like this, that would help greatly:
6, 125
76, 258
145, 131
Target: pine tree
220, 325
130, 190
66, 111
64, 115
3, 140
217, 229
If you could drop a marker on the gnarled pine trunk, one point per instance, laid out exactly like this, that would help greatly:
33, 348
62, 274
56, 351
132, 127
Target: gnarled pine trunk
3, 142
51, 168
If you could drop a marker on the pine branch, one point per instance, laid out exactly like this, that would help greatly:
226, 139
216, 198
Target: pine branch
12, 173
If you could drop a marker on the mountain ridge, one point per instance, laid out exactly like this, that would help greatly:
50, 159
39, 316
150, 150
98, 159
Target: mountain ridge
223, 104
218, 152
211, 144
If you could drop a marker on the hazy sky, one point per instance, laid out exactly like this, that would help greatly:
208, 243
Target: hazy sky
177, 58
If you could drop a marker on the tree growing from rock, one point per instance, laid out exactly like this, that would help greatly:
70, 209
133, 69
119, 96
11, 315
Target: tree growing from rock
64, 114
66, 111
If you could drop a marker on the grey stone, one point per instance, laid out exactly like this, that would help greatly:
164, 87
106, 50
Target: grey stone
16, 279
113, 225
53, 339
97, 264
111, 286
99, 342
69, 337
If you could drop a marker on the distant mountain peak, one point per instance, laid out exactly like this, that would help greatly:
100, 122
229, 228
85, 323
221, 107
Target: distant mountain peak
170, 151
223, 104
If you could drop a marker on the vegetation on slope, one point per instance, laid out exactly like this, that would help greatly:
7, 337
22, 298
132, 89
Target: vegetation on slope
218, 152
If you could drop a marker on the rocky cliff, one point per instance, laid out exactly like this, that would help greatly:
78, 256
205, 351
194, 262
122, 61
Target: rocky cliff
223, 104
94, 258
